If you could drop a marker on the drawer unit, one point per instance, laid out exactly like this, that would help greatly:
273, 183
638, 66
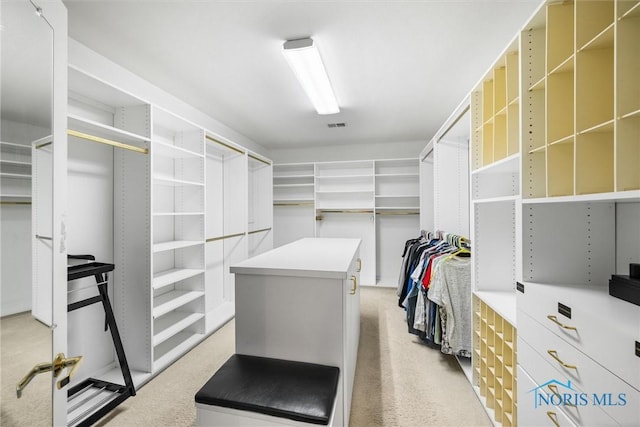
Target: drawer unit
563, 361
529, 416
597, 324
545, 375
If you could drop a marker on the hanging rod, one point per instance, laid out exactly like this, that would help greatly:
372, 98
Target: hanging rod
228, 236
260, 231
398, 213
44, 144
344, 211
293, 204
107, 141
259, 159
230, 147
462, 113
15, 203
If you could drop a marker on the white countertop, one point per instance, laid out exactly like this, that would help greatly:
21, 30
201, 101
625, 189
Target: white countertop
309, 257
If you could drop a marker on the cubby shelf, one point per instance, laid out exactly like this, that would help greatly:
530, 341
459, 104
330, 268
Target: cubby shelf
168, 277
171, 324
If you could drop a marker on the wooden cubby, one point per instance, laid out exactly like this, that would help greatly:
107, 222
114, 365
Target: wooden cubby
495, 112
494, 362
581, 67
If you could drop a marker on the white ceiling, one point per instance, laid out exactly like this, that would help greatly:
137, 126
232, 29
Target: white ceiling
398, 68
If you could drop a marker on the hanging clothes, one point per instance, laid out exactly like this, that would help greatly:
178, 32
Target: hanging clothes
434, 288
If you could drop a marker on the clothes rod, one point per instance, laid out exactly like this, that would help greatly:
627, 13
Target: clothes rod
293, 204
107, 141
230, 147
344, 211
259, 231
228, 236
398, 213
44, 144
15, 203
462, 113
260, 160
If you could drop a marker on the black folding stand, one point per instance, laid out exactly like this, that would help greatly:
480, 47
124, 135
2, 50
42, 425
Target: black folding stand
104, 395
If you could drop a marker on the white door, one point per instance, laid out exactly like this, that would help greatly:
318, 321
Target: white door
33, 255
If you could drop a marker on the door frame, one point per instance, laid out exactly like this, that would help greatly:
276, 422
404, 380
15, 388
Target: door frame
55, 13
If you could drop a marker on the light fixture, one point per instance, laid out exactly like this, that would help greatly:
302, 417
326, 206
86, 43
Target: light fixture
304, 59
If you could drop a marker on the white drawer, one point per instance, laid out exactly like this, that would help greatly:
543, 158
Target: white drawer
606, 328
588, 376
528, 415
541, 372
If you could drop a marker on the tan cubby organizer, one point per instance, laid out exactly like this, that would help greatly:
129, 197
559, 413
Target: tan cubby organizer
581, 109
495, 112
494, 362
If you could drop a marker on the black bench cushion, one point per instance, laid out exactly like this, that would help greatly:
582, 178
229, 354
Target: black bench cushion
281, 388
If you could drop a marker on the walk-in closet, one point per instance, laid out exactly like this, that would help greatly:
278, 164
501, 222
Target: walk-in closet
438, 225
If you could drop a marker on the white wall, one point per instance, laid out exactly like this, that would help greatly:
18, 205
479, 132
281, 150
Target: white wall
325, 153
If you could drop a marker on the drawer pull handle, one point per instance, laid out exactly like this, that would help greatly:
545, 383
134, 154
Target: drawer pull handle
554, 319
553, 417
554, 390
355, 285
554, 354
359, 269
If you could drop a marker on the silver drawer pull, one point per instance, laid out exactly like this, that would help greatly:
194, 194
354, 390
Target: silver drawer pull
554, 354
553, 417
554, 390
554, 319
355, 285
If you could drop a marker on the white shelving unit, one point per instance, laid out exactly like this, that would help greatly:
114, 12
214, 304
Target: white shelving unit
176, 206
293, 202
397, 207
373, 200
178, 187
555, 212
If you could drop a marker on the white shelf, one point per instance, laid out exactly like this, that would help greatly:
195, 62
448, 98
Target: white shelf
12, 147
176, 346
344, 176
397, 208
80, 124
400, 196
172, 182
168, 302
344, 192
168, 277
292, 200
178, 214
15, 175
173, 152
397, 175
509, 164
16, 196
497, 199
620, 196
292, 185
293, 176
502, 302
177, 244
171, 324
14, 163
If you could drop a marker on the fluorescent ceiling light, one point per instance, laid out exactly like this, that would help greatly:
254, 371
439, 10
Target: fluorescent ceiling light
304, 59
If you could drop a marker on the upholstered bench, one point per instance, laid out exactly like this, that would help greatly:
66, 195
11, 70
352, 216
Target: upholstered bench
259, 391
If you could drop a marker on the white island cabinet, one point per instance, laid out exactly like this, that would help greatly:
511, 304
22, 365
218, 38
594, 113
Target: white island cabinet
301, 302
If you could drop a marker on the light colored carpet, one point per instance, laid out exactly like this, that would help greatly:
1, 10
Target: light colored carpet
24, 343
399, 381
